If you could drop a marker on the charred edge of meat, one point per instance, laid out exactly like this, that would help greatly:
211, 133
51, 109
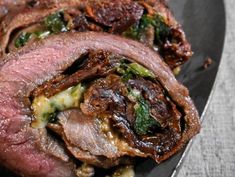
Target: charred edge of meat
150, 22
78, 64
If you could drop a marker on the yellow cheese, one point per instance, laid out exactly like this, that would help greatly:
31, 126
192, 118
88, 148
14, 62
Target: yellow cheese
43, 107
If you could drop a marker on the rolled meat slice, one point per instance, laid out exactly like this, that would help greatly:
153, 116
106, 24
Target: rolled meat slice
150, 22
90, 97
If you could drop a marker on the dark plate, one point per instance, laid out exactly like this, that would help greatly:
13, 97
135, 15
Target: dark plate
204, 24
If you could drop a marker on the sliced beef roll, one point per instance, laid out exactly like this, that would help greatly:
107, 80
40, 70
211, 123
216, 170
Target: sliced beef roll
90, 97
149, 22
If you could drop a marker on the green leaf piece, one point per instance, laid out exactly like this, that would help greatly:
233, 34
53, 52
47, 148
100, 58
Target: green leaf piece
55, 23
22, 39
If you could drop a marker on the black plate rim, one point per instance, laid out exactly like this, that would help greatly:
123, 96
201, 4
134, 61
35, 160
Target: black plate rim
202, 117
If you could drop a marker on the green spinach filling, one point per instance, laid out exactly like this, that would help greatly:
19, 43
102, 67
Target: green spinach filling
161, 29
130, 70
144, 123
23, 38
55, 23
52, 24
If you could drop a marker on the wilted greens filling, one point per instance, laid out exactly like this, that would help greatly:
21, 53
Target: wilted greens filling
52, 24
161, 29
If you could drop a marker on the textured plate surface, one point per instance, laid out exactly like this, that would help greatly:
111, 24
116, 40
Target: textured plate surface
204, 24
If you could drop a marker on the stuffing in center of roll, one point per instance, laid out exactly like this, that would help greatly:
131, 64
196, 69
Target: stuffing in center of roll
107, 106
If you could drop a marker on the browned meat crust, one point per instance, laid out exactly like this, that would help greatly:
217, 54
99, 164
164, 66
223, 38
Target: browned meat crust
115, 14
23, 71
110, 16
175, 54
109, 95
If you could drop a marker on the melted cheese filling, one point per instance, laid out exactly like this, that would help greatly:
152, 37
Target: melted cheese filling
44, 108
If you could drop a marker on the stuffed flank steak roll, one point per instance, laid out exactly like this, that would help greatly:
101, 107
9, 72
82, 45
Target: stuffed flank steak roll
150, 22
89, 97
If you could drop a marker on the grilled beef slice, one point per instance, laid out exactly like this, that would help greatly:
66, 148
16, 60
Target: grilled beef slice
30, 152
150, 22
